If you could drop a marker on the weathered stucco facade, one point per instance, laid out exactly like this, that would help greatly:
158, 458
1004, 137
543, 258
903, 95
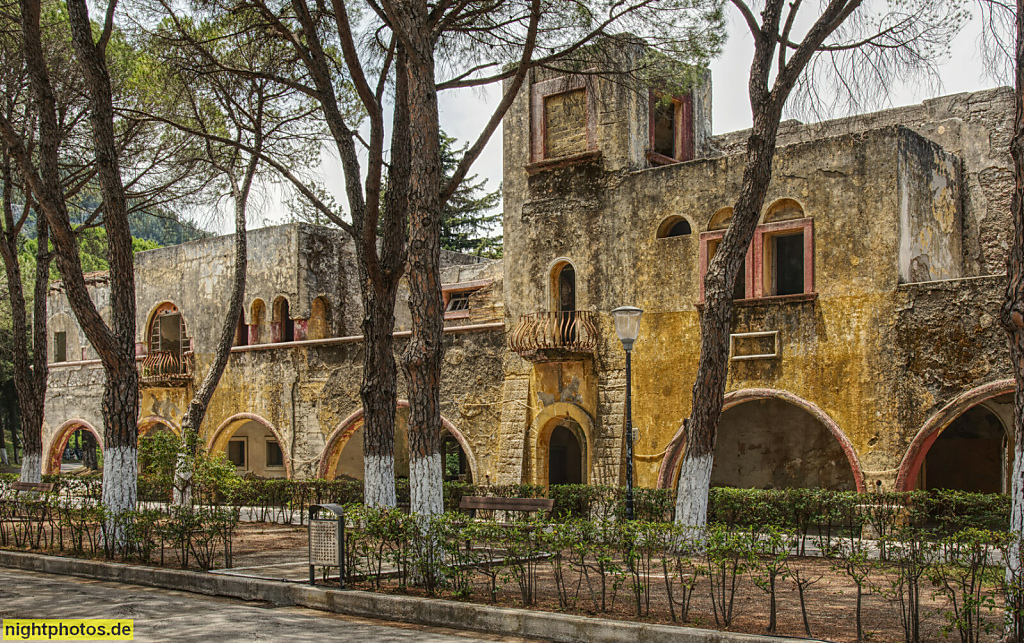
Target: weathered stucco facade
300, 394
865, 351
843, 375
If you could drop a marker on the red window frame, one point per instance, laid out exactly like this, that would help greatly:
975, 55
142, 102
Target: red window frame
540, 92
683, 146
754, 264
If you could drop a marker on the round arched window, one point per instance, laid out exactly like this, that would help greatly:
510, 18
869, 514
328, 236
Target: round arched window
674, 227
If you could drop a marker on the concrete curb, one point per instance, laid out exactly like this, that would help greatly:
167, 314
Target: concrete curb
504, 621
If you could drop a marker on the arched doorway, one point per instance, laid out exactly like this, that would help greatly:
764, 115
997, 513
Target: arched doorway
253, 446
783, 430
971, 454
772, 444
975, 431
76, 444
565, 453
343, 454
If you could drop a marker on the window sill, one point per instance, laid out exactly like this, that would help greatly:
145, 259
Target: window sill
773, 299
563, 161
456, 314
657, 159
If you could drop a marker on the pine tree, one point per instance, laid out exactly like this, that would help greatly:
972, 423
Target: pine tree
467, 224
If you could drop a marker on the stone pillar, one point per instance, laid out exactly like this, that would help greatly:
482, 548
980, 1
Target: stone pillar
514, 424
607, 439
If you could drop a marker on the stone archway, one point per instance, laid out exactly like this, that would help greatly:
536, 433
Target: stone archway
669, 470
550, 418
347, 428
221, 438
148, 423
910, 466
60, 442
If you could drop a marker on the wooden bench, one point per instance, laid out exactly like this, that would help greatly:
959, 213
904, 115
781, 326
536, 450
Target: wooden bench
31, 487
488, 503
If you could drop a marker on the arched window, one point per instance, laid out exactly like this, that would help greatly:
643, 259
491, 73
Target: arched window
168, 342
675, 226
241, 331
783, 210
283, 326
720, 220
257, 317
319, 325
563, 290
783, 246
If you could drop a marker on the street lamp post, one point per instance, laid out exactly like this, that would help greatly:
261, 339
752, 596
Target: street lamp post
627, 327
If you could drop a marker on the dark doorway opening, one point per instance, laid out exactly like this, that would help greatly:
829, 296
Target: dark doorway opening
565, 457
969, 455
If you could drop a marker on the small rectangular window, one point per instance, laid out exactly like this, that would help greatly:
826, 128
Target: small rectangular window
787, 264
275, 457
671, 129
665, 128
236, 453
60, 347
458, 301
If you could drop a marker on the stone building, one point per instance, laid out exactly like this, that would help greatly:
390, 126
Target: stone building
288, 402
865, 348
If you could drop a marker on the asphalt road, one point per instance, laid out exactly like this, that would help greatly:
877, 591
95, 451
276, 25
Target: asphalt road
181, 617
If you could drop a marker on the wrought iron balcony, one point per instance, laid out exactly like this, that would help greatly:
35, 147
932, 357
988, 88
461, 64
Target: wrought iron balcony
572, 331
167, 368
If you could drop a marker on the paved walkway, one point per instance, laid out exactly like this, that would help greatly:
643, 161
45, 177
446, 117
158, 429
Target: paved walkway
180, 617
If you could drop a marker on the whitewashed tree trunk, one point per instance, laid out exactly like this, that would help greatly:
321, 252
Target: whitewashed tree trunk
3, 456
426, 484
379, 481
1014, 573
31, 467
183, 471
120, 477
692, 492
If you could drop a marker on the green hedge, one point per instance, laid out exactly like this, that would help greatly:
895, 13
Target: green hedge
803, 511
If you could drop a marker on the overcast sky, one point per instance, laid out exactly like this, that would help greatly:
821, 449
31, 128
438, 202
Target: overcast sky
464, 114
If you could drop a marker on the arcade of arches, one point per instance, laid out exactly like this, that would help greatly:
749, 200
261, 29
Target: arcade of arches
772, 444
345, 461
762, 444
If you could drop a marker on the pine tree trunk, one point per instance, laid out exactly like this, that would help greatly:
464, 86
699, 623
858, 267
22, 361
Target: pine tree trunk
9, 421
379, 390
423, 356
730, 257
90, 459
715, 322
116, 345
1013, 320
379, 393
120, 451
185, 464
30, 373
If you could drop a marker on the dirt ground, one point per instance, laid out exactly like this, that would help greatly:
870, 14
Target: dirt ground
831, 601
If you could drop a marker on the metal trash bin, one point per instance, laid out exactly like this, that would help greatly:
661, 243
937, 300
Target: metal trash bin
327, 540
